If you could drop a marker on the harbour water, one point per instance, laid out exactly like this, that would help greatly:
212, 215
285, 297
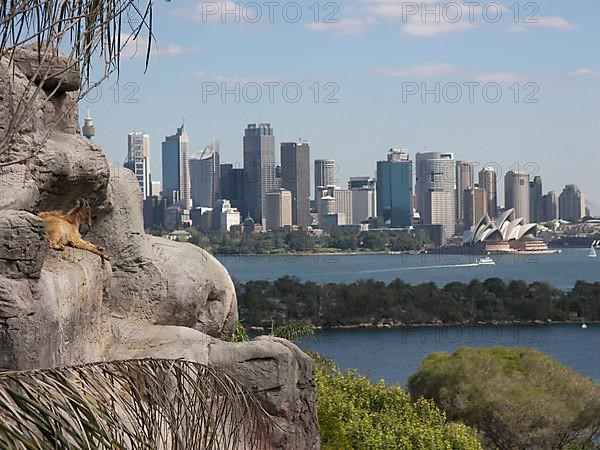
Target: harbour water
561, 270
395, 354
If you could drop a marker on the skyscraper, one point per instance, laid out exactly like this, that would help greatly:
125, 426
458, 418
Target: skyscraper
550, 206
464, 180
395, 189
278, 209
516, 193
138, 161
205, 176
176, 168
364, 199
535, 200
571, 203
295, 176
232, 184
488, 180
324, 175
435, 188
475, 205
259, 169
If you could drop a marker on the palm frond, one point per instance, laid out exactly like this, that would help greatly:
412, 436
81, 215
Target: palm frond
149, 404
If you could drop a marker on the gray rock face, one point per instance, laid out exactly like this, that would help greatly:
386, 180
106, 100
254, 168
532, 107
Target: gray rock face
156, 298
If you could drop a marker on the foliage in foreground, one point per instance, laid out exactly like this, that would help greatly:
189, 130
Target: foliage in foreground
145, 404
357, 414
518, 398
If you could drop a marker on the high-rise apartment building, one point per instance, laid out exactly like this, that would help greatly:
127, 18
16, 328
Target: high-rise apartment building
259, 169
295, 177
465, 179
571, 203
488, 180
536, 210
205, 176
550, 206
138, 161
475, 205
279, 209
516, 193
395, 189
435, 188
176, 168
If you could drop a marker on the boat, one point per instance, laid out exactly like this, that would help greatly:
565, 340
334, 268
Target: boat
485, 261
584, 326
592, 252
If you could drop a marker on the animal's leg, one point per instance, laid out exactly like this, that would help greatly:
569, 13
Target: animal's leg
57, 244
85, 245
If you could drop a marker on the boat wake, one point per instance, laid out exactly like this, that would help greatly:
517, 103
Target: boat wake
400, 269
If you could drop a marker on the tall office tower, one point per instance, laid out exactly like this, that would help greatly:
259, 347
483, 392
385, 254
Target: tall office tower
536, 211
176, 168
278, 209
343, 205
232, 185
475, 204
571, 203
138, 160
395, 189
465, 179
295, 176
488, 180
205, 176
550, 206
364, 199
324, 175
259, 169
516, 193
436, 190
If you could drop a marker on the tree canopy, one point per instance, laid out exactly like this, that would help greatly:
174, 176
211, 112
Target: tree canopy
516, 397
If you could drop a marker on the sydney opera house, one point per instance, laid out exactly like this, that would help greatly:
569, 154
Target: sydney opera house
505, 233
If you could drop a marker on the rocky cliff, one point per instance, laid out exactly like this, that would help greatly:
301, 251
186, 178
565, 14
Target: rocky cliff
155, 298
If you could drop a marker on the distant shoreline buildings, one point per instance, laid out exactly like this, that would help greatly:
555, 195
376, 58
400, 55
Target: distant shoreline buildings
435, 194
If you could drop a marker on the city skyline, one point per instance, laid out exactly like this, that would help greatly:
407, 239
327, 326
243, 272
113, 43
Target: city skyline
557, 56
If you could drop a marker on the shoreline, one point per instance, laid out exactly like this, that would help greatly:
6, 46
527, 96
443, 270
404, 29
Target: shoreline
388, 326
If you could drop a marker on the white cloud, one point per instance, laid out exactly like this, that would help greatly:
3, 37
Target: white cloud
348, 26
137, 48
555, 22
499, 77
585, 72
424, 71
431, 29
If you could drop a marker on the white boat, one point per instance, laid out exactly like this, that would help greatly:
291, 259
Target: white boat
592, 252
584, 326
485, 261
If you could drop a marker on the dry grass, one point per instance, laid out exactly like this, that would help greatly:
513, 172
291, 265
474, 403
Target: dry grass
134, 404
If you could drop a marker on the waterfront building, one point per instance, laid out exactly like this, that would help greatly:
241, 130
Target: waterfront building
571, 203
226, 215
364, 199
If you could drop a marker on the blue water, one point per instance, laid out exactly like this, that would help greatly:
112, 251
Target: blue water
395, 354
560, 270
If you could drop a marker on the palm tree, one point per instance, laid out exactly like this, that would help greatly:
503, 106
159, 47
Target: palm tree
149, 404
90, 32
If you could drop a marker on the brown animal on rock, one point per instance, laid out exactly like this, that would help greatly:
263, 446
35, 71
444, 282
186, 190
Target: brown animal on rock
63, 228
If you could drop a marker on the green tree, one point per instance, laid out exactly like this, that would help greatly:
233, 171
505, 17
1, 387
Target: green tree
518, 398
355, 414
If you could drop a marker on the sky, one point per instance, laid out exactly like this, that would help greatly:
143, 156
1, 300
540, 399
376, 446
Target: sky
516, 85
